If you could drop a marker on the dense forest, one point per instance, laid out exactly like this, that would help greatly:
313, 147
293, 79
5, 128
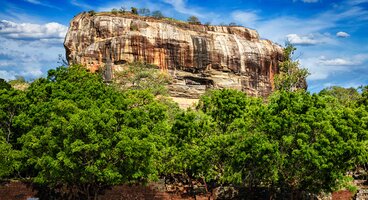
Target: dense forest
72, 130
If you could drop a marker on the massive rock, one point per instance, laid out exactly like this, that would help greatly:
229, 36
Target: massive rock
198, 57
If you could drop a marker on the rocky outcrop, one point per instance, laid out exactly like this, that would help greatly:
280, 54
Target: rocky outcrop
198, 57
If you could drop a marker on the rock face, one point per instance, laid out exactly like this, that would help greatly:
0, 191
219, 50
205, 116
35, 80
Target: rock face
198, 57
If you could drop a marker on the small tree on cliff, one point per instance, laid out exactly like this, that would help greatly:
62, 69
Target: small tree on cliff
291, 76
157, 14
134, 10
193, 20
114, 11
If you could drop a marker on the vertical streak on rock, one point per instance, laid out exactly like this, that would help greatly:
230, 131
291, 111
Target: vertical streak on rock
241, 54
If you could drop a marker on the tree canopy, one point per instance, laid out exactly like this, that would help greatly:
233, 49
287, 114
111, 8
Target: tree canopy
72, 130
291, 76
193, 20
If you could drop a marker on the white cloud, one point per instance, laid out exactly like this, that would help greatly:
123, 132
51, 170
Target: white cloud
318, 71
29, 31
357, 2
34, 2
7, 75
337, 62
310, 39
342, 34
80, 4
322, 67
277, 28
181, 7
302, 39
29, 49
248, 19
37, 2
307, 1
310, 1
355, 60
28, 61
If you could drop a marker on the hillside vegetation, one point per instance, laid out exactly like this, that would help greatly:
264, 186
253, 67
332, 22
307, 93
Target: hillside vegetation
71, 130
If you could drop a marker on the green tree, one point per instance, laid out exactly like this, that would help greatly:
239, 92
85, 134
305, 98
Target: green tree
345, 96
4, 85
92, 12
290, 77
244, 156
9, 159
85, 135
224, 106
190, 155
193, 20
312, 133
134, 10
157, 14
363, 100
114, 11
12, 104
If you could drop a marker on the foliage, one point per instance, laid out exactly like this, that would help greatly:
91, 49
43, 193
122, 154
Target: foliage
9, 159
291, 77
62, 60
141, 76
92, 12
17, 80
190, 130
157, 14
224, 106
4, 85
84, 134
193, 20
74, 131
319, 142
134, 10
12, 104
114, 11
291, 143
345, 96
244, 155
363, 100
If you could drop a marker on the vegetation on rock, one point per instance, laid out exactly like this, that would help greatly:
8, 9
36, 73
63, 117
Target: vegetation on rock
291, 76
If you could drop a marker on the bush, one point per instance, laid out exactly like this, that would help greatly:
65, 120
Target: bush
157, 14
91, 12
134, 10
193, 20
114, 11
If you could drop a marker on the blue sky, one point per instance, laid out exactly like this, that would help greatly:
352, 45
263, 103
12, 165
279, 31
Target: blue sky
331, 36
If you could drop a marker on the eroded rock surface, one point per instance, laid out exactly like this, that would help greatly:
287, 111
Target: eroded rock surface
198, 57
